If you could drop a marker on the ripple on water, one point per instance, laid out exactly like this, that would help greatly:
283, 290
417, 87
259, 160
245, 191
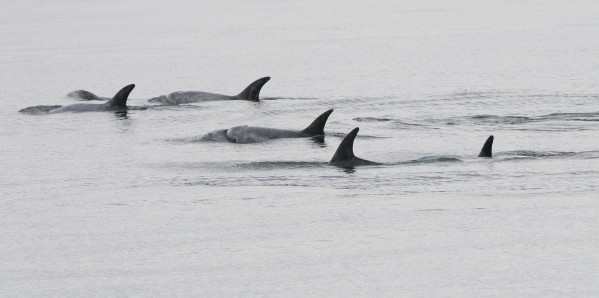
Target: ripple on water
527, 154
270, 165
433, 159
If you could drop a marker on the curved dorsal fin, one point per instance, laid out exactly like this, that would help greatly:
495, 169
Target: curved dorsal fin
487, 150
252, 92
316, 128
345, 151
120, 98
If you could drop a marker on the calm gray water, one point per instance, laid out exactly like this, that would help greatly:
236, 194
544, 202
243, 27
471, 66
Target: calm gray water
155, 203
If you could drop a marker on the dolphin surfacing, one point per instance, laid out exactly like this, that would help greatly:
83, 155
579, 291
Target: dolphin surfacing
487, 150
251, 93
117, 103
85, 95
344, 156
252, 134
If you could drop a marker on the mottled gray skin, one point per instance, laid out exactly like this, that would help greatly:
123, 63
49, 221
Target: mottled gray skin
117, 103
184, 97
344, 156
85, 95
252, 134
487, 150
82, 107
251, 93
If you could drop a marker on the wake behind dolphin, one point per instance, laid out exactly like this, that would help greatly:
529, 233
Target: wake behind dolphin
487, 152
251, 93
251, 134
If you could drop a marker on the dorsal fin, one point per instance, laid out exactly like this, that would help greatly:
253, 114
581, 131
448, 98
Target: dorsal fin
252, 92
345, 151
316, 128
120, 98
487, 150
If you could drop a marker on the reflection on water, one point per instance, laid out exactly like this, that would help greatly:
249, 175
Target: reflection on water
319, 141
349, 170
121, 115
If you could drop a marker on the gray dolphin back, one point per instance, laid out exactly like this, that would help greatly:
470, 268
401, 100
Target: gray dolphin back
316, 128
120, 98
487, 150
252, 92
344, 156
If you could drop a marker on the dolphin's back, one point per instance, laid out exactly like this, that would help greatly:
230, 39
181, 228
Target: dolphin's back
252, 134
183, 97
80, 107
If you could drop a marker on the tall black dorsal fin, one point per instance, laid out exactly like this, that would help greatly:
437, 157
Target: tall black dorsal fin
487, 150
345, 151
316, 128
120, 98
252, 92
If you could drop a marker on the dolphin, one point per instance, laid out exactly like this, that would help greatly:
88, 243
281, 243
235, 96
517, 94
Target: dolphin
117, 103
344, 156
487, 150
251, 134
251, 93
85, 95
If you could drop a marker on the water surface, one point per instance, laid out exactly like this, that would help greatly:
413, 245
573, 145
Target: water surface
154, 202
